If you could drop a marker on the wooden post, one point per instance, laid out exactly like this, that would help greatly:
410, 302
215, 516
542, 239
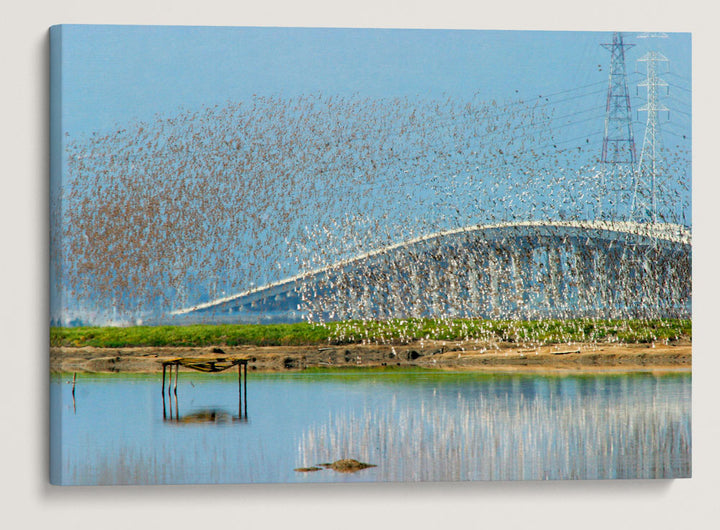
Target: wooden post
169, 398
73, 392
245, 386
177, 376
163, 382
240, 389
170, 381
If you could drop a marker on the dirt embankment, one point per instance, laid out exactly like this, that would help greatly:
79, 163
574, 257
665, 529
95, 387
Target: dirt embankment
440, 355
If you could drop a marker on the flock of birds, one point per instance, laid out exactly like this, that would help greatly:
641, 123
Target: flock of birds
160, 215
564, 271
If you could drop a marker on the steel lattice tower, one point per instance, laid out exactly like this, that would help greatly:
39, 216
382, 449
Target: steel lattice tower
618, 150
644, 206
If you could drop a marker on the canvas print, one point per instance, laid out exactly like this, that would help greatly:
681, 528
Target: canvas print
381, 255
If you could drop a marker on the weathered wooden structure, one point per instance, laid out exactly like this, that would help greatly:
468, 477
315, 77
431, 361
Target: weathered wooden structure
208, 365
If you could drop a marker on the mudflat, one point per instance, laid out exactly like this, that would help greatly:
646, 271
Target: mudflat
668, 356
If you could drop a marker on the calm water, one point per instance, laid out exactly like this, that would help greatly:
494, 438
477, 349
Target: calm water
413, 426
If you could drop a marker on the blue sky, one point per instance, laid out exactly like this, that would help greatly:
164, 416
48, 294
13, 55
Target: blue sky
115, 74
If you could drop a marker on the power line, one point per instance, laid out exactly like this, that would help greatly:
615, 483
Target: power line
680, 87
573, 89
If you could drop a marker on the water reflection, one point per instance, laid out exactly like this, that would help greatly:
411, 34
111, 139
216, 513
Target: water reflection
588, 428
413, 426
212, 415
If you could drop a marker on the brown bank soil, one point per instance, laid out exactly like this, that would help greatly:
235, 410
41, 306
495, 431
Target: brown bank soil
441, 355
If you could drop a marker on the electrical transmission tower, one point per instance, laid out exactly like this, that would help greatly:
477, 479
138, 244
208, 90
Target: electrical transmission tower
644, 206
618, 150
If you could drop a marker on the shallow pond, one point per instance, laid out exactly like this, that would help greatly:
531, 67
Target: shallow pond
121, 429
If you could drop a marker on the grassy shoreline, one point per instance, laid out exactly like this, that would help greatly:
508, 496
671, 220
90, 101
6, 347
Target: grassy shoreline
381, 332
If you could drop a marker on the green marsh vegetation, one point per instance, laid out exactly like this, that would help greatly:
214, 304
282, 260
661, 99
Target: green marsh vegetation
400, 331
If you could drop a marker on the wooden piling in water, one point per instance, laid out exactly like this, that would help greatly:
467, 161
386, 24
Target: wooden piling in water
73, 392
245, 386
240, 397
